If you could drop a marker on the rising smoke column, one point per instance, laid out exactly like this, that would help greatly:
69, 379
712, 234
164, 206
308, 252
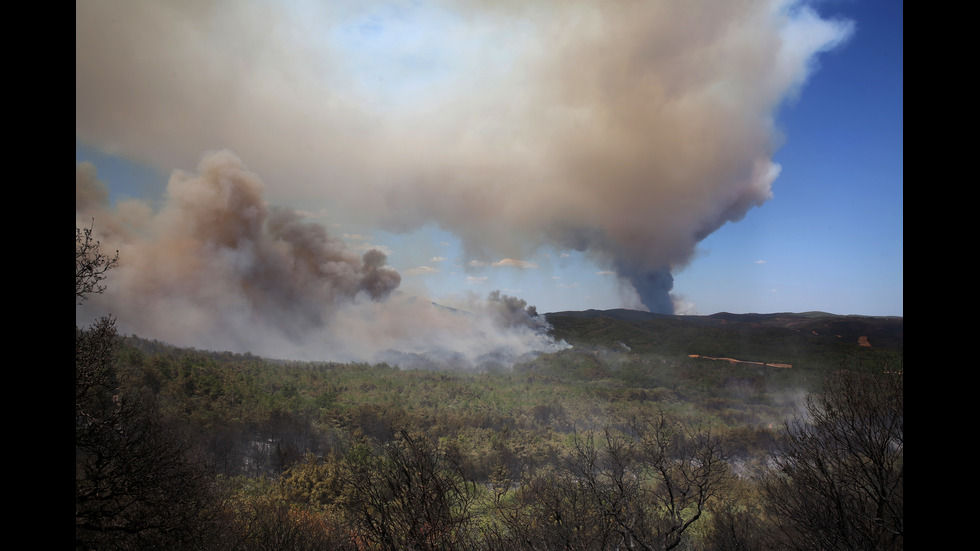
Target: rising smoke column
217, 267
627, 130
217, 260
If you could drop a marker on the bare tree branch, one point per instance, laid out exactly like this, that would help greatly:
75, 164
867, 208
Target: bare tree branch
91, 264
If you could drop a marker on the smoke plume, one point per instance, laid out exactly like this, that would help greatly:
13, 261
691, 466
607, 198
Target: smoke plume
218, 254
627, 130
217, 267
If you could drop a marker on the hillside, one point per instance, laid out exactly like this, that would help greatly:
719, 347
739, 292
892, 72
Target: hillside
806, 340
298, 448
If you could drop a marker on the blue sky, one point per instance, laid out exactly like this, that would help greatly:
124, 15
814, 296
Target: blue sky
830, 237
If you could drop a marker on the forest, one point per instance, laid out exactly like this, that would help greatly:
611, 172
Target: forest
644, 434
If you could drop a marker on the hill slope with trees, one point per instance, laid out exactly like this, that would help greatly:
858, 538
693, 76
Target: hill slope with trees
631, 438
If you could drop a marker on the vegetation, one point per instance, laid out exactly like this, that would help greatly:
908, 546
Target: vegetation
624, 441
839, 470
137, 483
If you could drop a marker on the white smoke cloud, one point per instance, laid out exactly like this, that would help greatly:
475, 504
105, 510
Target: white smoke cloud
627, 130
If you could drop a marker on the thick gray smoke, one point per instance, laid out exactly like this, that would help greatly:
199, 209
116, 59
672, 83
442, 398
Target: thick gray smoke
629, 130
216, 267
514, 311
653, 287
218, 254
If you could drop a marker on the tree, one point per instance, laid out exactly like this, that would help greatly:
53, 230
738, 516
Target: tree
260, 517
137, 484
411, 496
839, 476
737, 520
654, 480
91, 265
555, 511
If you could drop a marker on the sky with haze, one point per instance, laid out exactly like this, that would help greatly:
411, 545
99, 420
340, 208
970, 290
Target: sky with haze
267, 168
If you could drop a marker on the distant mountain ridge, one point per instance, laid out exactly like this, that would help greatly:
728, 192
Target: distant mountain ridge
784, 337
626, 314
814, 320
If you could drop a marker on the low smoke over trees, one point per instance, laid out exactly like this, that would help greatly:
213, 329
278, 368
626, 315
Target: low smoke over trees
229, 267
839, 476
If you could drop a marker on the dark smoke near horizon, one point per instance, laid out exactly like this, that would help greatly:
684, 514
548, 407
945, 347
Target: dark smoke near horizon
217, 247
629, 131
654, 289
218, 268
